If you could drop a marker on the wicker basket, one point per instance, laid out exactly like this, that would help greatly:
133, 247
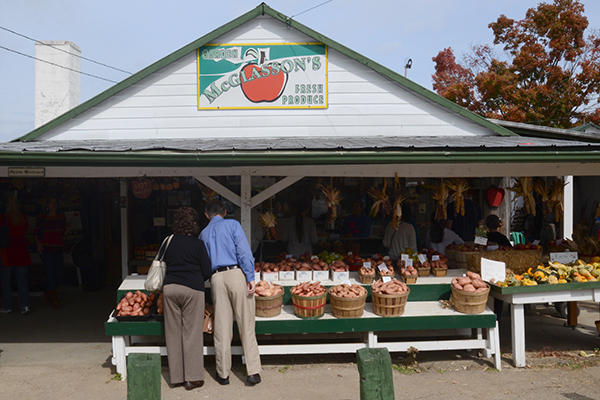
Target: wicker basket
461, 258
469, 302
423, 271
269, 306
409, 279
347, 307
439, 271
389, 305
366, 279
309, 307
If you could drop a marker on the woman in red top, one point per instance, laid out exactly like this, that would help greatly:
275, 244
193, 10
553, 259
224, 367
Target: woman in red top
16, 257
49, 234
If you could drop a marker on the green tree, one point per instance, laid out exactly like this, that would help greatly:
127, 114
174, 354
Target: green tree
550, 75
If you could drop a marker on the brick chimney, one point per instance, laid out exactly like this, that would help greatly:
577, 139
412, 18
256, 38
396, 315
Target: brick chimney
57, 90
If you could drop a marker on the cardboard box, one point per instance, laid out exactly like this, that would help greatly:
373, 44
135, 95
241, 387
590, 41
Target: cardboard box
340, 276
270, 276
304, 276
320, 275
287, 275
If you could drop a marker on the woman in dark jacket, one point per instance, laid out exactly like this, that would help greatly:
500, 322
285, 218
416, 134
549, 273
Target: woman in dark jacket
188, 267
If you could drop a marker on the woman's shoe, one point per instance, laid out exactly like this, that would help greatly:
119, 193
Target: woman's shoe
4, 311
25, 310
193, 385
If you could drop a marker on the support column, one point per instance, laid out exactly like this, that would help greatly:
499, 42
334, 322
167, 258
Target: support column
124, 203
246, 204
568, 206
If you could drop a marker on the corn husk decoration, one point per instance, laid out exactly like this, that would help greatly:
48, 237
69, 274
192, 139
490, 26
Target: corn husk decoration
524, 188
382, 200
397, 207
207, 192
268, 221
333, 197
557, 191
441, 194
540, 186
459, 186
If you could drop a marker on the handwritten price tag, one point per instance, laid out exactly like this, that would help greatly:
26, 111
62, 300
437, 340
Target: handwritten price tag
422, 258
387, 279
382, 267
435, 257
367, 264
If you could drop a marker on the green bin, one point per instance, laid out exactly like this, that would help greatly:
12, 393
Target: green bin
143, 376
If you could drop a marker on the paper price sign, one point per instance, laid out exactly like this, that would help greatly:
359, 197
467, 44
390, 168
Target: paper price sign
404, 257
382, 267
387, 279
491, 269
564, 257
288, 256
347, 282
313, 257
409, 262
435, 257
422, 258
367, 264
480, 240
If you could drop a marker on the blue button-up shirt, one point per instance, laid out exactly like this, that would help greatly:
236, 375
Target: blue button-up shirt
227, 244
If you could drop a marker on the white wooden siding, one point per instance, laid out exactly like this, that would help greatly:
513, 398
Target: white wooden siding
361, 103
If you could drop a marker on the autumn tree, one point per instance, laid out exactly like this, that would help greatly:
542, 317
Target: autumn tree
549, 75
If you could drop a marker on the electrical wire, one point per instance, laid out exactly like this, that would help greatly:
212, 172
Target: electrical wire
319, 5
64, 51
57, 65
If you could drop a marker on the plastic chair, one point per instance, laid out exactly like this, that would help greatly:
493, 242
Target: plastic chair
517, 237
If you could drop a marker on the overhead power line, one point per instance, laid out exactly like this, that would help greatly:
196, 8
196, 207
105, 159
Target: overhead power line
312, 8
56, 65
64, 51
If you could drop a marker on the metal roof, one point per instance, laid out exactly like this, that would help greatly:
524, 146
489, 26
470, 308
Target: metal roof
298, 143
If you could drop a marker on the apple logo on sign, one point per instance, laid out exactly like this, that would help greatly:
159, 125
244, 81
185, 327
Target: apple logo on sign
260, 81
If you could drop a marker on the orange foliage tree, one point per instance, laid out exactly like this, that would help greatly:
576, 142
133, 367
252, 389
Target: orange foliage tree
550, 74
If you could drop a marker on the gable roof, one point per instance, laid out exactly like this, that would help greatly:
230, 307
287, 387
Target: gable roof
264, 9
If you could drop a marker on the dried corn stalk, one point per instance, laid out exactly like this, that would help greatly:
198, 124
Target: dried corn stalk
541, 187
268, 221
441, 194
333, 197
382, 200
459, 186
524, 188
397, 207
557, 190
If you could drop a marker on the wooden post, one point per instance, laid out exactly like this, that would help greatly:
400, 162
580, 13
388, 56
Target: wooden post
143, 376
375, 370
572, 314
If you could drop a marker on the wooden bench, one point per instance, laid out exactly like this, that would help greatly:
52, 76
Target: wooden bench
425, 325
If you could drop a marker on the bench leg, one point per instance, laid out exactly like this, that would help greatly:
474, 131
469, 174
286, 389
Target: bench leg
518, 334
494, 337
119, 359
372, 340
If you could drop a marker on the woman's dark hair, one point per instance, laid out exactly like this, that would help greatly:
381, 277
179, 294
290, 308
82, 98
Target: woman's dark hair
215, 207
492, 221
436, 231
185, 221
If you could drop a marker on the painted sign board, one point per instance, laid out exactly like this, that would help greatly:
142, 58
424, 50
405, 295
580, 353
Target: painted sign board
260, 76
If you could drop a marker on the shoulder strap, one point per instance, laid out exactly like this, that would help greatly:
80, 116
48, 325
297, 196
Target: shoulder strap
165, 246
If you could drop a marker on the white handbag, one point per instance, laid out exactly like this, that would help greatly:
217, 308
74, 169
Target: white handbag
158, 268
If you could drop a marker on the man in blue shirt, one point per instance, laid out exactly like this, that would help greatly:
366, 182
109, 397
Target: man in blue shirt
232, 287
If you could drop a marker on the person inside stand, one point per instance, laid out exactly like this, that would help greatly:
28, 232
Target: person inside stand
439, 237
465, 225
188, 267
232, 288
300, 232
398, 240
49, 234
16, 257
357, 224
492, 222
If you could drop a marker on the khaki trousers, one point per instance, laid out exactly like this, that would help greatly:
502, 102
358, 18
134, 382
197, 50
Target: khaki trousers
184, 317
229, 295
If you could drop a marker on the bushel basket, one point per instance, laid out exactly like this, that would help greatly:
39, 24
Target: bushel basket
347, 307
469, 302
389, 305
268, 306
309, 307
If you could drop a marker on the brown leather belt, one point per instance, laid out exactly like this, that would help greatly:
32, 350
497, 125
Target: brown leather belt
226, 268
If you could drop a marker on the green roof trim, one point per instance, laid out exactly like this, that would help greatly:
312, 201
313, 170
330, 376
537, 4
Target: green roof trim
288, 158
261, 10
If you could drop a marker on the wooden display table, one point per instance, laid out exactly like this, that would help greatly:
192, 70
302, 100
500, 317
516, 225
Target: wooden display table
432, 327
520, 295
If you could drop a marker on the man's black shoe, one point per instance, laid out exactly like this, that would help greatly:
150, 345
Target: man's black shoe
222, 381
253, 379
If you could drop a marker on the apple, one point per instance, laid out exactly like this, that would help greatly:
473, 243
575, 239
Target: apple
260, 83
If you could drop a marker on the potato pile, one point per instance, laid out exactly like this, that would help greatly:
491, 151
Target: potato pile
470, 283
303, 266
407, 271
394, 286
266, 267
346, 290
135, 304
339, 266
286, 265
366, 271
308, 289
319, 265
438, 264
267, 289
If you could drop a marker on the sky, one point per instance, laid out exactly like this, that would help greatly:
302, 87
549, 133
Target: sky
132, 34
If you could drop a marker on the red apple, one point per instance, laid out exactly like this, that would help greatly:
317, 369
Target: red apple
260, 84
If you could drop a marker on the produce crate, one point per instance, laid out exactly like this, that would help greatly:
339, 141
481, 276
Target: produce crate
367, 279
269, 306
423, 271
439, 271
409, 279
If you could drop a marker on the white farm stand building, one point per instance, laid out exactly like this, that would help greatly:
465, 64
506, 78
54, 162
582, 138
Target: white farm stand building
338, 114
